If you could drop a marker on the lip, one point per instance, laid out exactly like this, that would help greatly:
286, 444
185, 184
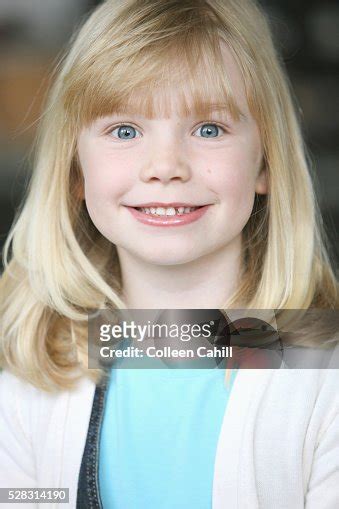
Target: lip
183, 219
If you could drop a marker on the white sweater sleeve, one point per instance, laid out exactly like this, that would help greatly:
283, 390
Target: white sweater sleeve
16, 455
323, 487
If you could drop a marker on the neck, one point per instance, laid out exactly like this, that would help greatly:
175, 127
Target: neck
205, 283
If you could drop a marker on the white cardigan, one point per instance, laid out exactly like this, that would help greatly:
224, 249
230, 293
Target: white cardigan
278, 446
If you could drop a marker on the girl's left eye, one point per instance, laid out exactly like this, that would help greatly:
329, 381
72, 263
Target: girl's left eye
209, 131
125, 132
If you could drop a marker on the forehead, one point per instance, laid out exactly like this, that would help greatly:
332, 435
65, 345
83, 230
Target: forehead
188, 95
174, 85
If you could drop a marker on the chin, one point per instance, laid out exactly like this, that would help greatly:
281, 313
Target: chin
165, 258
169, 260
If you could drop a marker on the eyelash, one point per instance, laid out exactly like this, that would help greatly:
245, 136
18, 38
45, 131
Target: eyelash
130, 124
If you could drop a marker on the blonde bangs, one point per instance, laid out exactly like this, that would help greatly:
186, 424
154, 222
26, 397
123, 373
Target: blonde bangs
141, 79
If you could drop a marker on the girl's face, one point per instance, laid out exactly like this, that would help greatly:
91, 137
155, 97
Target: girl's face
132, 161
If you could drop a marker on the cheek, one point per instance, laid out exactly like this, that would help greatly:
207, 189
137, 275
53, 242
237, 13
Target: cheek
105, 183
105, 175
232, 177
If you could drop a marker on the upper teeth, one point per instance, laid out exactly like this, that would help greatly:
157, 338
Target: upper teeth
169, 211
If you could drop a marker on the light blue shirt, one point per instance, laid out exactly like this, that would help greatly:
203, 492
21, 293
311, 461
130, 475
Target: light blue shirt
159, 437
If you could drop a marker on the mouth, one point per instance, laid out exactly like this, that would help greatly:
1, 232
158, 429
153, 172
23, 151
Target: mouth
168, 211
174, 215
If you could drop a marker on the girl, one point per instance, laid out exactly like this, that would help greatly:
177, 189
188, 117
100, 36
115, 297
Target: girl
170, 173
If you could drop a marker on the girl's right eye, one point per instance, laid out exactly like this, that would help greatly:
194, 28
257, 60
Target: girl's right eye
125, 132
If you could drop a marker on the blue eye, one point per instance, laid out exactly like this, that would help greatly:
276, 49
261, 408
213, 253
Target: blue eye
210, 131
125, 132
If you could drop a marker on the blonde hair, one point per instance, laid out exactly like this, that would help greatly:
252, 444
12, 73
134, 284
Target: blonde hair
61, 266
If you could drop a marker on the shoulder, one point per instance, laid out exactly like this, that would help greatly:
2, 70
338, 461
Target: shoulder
29, 417
16, 396
31, 408
303, 398
316, 386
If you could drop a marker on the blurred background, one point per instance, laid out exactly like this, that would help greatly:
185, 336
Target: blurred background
33, 33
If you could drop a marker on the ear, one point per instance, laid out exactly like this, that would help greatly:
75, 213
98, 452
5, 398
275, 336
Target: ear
261, 183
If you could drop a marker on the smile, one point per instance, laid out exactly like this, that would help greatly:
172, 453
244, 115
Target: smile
168, 211
168, 216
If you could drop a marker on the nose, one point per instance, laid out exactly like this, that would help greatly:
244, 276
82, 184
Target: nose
166, 162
